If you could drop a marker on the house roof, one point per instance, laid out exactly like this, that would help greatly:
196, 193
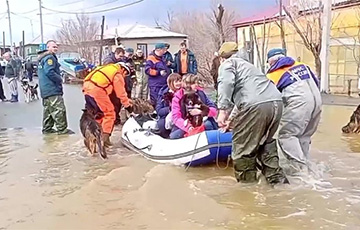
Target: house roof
272, 13
140, 31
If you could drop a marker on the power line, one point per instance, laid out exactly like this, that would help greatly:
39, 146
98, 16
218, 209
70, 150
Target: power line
94, 12
90, 7
28, 12
70, 3
34, 20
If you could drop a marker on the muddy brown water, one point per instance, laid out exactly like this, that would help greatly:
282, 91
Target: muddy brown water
50, 182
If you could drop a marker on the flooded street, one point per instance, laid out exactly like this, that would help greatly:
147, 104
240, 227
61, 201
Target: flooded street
50, 182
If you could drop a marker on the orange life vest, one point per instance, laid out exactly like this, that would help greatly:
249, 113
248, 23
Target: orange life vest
103, 76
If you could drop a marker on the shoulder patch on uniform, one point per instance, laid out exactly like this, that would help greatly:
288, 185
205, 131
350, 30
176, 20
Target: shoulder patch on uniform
50, 61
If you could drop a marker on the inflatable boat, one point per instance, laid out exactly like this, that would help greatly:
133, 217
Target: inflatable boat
201, 149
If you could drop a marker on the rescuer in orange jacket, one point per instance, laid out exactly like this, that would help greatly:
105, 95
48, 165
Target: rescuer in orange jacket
98, 85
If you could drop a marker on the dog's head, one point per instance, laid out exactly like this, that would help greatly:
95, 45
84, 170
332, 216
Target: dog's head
142, 107
92, 114
167, 97
191, 100
354, 124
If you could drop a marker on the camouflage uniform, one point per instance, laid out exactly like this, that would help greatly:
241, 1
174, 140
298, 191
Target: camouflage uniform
51, 92
54, 114
141, 89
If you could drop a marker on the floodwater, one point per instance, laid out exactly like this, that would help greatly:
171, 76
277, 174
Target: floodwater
50, 182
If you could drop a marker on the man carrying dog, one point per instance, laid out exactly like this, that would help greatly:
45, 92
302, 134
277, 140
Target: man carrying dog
51, 91
256, 111
299, 88
98, 85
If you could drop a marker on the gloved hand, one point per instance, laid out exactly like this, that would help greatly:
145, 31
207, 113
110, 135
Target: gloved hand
163, 72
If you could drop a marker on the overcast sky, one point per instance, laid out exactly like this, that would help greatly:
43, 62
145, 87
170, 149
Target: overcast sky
143, 13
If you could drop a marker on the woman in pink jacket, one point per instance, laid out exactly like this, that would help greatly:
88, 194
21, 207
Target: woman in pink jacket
180, 129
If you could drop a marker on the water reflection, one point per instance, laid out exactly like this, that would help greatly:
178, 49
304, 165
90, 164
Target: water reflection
51, 182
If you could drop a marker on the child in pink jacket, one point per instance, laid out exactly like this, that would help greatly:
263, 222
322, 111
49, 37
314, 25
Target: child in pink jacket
180, 129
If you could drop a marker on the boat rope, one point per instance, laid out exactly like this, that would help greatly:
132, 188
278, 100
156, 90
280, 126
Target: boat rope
192, 157
218, 153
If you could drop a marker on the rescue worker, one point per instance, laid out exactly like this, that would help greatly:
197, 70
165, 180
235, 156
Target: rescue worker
98, 85
51, 91
157, 70
117, 56
299, 88
141, 88
130, 79
256, 111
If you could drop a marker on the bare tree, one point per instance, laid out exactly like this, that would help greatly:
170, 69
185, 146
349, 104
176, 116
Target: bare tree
306, 18
206, 32
77, 33
281, 24
261, 49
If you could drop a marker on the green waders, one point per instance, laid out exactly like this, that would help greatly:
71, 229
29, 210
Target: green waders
54, 114
253, 144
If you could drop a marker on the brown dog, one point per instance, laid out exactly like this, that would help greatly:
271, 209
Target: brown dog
141, 107
92, 132
192, 101
354, 124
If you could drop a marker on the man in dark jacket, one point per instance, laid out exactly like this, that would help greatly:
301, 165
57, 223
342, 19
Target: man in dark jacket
29, 69
168, 57
2, 95
131, 79
184, 61
157, 70
11, 74
115, 57
51, 91
215, 69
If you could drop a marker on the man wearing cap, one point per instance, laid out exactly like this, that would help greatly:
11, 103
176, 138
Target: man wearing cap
131, 79
141, 88
168, 57
184, 61
157, 70
256, 111
299, 88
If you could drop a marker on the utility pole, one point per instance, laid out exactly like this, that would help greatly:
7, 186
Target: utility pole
23, 44
8, 11
325, 47
101, 38
41, 23
4, 42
